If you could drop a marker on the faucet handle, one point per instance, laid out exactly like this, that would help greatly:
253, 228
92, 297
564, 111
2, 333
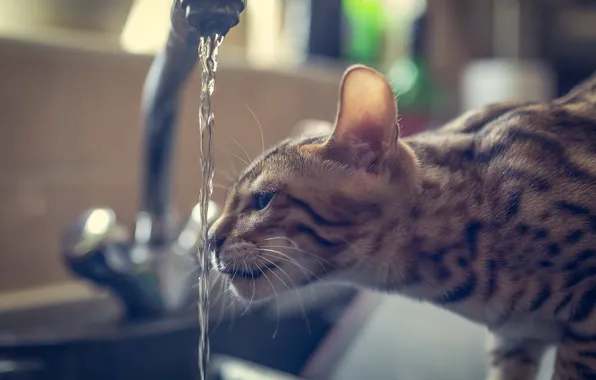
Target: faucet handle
190, 236
155, 231
93, 230
98, 249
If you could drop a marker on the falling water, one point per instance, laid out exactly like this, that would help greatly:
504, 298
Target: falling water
208, 50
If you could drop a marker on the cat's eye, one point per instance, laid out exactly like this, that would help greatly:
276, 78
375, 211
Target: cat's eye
262, 200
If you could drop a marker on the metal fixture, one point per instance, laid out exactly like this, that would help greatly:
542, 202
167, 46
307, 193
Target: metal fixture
152, 272
208, 17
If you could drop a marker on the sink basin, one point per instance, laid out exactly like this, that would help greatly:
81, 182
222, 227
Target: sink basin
224, 368
90, 340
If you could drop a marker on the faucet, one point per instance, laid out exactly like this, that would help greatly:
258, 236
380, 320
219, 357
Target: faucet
149, 271
191, 19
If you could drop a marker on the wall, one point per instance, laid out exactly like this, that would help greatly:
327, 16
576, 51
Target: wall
70, 139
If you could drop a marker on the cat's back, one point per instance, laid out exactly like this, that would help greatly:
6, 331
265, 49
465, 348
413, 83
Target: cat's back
530, 171
538, 174
548, 149
551, 148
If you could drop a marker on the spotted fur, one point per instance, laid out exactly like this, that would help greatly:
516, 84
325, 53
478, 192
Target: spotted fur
492, 216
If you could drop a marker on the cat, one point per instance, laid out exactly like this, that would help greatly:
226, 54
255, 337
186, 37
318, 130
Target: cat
492, 216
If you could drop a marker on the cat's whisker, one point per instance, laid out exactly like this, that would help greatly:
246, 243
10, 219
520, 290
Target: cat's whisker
275, 296
230, 304
260, 128
319, 260
221, 281
240, 158
284, 255
303, 269
242, 148
294, 288
254, 289
293, 261
247, 163
232, 170
231, 307
290, 260
281, 238
295, 245
275, 274
213, 301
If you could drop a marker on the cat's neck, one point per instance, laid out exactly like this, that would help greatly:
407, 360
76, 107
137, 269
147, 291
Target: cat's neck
445, 218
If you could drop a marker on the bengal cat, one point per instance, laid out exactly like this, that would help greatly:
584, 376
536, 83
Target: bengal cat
492, 216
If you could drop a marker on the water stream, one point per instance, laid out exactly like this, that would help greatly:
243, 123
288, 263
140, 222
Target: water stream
208, 50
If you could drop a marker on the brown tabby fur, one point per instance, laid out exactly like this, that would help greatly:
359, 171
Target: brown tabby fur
492, 216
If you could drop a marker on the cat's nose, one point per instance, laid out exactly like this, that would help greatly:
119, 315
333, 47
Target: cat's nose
216, 242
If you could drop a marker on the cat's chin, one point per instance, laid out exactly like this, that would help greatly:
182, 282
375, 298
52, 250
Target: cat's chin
251, 291
264, 288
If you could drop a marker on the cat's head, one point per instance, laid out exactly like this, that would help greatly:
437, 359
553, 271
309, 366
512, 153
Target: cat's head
314, 206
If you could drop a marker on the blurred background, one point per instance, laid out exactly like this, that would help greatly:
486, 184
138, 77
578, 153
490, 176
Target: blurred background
73, 138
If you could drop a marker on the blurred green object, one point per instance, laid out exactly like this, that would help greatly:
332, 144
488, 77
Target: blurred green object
367, 20
410, 76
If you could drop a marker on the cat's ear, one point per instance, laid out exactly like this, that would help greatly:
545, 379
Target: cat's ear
366, 126
312, 128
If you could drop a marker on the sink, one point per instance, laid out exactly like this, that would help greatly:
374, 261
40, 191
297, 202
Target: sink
91, 340
224, 368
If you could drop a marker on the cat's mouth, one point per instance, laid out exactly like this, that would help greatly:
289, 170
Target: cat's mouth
245, 273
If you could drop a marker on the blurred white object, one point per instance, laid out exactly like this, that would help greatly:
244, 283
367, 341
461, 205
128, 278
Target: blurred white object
264, 26
295, 31
312, 127
147, 27
511, 75
490, 81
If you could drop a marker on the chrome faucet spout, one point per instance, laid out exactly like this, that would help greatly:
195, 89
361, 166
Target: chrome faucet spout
208, 17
